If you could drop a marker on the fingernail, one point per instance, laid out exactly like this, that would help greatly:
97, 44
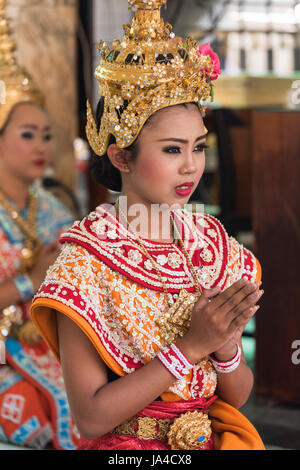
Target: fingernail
254, 309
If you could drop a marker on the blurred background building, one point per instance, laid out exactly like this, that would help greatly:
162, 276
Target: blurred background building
251, 182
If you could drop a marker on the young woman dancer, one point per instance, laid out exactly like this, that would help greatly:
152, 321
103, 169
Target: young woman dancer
34, 409
145, 308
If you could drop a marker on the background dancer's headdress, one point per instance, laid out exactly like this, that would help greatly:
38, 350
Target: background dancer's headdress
148, 70
16, 85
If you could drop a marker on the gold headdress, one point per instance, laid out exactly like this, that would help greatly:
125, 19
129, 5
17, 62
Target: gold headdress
16, 85
148, 70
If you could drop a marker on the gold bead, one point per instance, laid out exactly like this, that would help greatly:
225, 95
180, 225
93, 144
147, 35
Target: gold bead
26, 253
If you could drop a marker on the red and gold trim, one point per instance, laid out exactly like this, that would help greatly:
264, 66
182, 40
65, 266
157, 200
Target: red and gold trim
206, 240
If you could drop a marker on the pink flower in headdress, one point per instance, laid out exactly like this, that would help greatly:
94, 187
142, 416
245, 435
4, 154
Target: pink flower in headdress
205, 49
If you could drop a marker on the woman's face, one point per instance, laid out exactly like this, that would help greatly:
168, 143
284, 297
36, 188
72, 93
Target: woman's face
26, 143
171, 158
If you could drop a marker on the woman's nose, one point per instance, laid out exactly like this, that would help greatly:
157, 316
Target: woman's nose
41, 146
189, 165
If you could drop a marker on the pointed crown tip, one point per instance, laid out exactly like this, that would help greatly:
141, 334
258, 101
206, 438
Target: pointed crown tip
147, 4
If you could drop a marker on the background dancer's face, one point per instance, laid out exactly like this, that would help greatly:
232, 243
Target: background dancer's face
170, 160
26, 143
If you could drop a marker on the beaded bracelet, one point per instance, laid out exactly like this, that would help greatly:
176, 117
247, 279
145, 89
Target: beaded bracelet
176, 363
228, 366
24, 285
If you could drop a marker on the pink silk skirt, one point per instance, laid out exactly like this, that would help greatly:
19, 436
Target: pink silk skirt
157, 410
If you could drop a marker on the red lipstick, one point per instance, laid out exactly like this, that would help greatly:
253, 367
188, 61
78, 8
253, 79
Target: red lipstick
39, 162
184, 189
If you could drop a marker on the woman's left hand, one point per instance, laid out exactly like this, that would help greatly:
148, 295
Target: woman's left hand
228, 350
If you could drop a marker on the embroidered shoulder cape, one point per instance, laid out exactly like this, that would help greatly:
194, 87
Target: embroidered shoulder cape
103, 281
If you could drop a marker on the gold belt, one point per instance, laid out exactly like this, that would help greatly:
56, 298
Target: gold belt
190, 431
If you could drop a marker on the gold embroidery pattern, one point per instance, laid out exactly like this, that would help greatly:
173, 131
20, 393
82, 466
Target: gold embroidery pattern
178, 279
191, 431
124, 313
145, 428
126, 428
32, 243
163, 428
176, 320
126, 316
241, 262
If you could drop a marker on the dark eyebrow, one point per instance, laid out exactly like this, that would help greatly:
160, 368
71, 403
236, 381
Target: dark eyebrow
182, 141
35, 128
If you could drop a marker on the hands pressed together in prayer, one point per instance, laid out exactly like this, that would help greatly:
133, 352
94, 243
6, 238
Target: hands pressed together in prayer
219, 319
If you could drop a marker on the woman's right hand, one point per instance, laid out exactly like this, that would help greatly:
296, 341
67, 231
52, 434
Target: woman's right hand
216, 317
46, 258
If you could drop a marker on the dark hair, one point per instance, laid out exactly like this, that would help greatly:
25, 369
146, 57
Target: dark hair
102, 170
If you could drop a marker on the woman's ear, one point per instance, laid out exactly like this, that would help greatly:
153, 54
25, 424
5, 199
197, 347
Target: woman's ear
118, 158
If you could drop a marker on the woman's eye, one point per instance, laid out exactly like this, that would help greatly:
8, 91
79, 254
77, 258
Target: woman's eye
172, 150
27, 135
47, 137
201, 148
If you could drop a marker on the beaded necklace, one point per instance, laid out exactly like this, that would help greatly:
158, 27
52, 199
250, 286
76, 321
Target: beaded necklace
32, 243
176, 320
